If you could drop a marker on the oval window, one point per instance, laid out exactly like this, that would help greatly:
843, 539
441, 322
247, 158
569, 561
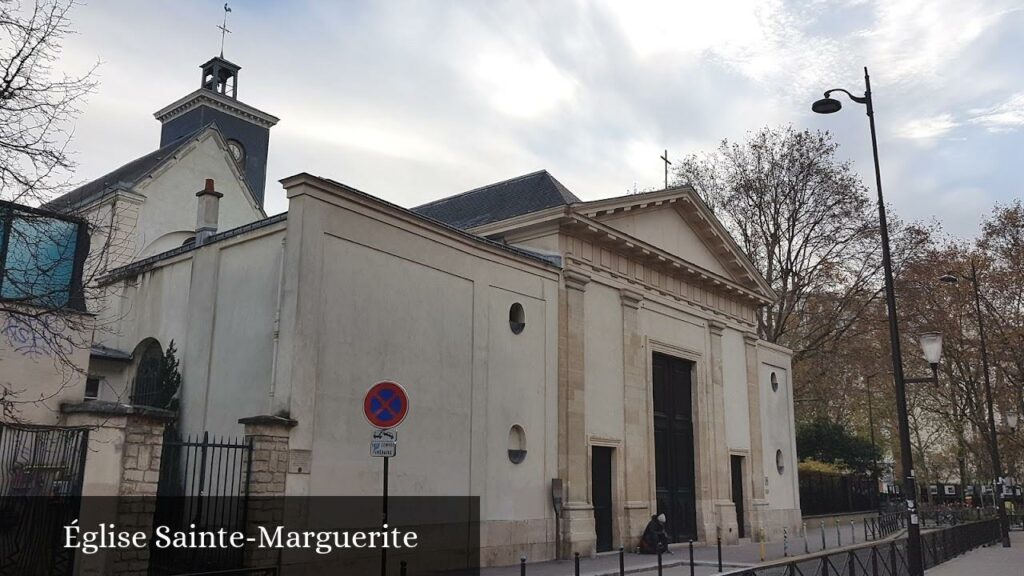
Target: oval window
775, 382
517, 318
780, 463
516, 444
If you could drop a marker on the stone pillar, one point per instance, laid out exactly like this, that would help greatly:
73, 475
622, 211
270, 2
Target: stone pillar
124, 458
758, 498
725, 510
578, 514
267, 463
637, 469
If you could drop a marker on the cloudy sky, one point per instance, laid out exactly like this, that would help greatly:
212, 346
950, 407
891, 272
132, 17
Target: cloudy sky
412, 101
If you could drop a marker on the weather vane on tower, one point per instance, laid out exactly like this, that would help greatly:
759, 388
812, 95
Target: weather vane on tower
224, 28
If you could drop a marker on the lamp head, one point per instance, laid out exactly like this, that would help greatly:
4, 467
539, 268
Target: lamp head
949, 278
931, 346
827, 106
1011, 420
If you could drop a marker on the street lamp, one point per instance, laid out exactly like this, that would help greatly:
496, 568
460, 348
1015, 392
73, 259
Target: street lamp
997, 466
1011, 420
828, 105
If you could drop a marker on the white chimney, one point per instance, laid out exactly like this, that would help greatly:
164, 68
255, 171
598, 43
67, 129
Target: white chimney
206, 216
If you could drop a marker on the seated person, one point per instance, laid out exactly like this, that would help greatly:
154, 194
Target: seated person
655, 538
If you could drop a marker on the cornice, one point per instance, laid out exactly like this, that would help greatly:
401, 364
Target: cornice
214, 100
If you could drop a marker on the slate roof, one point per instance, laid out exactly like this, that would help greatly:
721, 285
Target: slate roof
499, 201
124, 177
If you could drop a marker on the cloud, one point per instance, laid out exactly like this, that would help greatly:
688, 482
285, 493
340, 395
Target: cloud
1004, 117
927, 128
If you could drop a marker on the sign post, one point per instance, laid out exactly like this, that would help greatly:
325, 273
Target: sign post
385, 406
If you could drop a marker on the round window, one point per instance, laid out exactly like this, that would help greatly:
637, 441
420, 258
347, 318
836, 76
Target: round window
780, 463
516, 444
775, 382
517, 318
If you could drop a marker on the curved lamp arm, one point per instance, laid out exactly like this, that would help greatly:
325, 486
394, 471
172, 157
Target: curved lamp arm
857, 99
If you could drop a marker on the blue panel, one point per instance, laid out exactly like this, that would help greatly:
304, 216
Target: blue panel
40, 260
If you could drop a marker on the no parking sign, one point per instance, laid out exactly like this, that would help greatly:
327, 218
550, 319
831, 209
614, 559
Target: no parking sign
386, 405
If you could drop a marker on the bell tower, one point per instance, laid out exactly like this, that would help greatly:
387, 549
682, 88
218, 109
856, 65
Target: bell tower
245, 128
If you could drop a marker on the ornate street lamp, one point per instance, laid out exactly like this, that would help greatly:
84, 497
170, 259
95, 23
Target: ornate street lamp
829, 105
997, 466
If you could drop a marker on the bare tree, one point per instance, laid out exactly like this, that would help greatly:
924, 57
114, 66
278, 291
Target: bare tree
45, 274
806, 221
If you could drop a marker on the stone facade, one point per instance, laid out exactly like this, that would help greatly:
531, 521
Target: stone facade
268, 468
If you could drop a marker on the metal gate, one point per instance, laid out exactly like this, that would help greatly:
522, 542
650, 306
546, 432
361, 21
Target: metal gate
206, 483
41, 470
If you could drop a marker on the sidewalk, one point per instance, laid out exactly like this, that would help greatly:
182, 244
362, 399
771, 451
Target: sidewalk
994, 560
705, 556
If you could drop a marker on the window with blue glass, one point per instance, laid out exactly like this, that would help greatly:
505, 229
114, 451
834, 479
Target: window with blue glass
41, 257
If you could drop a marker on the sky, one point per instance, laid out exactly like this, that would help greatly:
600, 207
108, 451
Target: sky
416, 100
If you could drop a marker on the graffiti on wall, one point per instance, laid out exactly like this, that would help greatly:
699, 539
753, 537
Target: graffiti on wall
37, 336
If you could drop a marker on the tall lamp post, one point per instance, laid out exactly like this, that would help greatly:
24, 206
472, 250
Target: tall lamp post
828, 105
997, 467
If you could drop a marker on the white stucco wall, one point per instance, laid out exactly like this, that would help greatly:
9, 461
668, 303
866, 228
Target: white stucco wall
734, 378
777, 425
603, 361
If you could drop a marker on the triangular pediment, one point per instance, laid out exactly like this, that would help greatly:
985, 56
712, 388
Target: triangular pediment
679, 223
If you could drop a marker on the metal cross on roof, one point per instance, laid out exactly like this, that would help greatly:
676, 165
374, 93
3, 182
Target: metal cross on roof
224, 28
665, 159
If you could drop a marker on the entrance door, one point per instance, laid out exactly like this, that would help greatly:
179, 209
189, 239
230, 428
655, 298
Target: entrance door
673, 447
737, 492
601, 477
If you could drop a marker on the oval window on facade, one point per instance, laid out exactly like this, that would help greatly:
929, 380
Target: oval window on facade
516, 318
516, 444
775, 382
780, 463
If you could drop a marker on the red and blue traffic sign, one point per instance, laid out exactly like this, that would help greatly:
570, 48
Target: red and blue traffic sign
386, 404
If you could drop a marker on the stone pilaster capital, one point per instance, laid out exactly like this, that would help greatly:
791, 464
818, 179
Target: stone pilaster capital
716, 327
575, 279
750, 339
631, 298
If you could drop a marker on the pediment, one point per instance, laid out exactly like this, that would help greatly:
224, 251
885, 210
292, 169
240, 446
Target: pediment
679, 223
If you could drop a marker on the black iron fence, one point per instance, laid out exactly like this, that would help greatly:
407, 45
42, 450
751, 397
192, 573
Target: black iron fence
886, 558
204, 485
836, 494
41, 470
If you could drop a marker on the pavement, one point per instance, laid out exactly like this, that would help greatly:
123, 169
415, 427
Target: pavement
705, 556
990, 561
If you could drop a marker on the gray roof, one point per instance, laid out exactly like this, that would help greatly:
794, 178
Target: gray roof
124, 177
499, 201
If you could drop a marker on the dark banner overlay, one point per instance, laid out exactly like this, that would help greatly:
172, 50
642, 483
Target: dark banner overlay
281, 535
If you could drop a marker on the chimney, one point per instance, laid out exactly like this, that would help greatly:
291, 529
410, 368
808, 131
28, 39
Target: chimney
206, 217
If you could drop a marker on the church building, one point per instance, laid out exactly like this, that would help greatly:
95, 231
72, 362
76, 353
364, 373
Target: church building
578, 365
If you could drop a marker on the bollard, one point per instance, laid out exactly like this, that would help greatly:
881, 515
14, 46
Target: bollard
522, 565
807, 548
691, 557
865, 529
578, 563
622, 561
853, 535
659, 564
402, 567
785, 542
839, 535
823, 545
719, 552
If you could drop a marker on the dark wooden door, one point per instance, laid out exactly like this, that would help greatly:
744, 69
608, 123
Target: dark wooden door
737, 492
601, 477
673, 446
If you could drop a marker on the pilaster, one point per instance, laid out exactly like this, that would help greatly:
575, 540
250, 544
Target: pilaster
267, 462
636, 510
758, 498
579, 512
725, 510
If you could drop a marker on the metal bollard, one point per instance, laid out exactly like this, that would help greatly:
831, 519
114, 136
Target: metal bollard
659, 564
719, 551
807, 549
853, 535
402, 568
577, 556
691, 557
839, 535
622, 561
785, 542
865, 529
823, 545
522, 565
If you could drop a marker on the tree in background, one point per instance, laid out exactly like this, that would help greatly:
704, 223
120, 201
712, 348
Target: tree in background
831, 443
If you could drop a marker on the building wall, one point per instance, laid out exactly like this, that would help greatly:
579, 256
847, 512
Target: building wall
42, 364
372, 294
